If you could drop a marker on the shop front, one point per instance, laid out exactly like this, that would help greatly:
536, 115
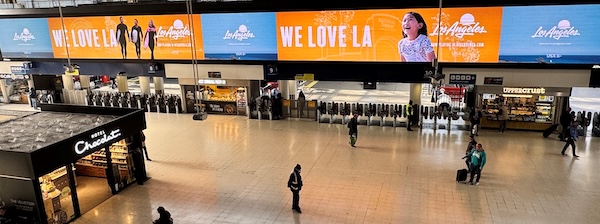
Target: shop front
56, 176
218, 88
528, 108
15, 83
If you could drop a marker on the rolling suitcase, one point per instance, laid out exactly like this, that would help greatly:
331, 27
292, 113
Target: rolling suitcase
549, 131
461, 175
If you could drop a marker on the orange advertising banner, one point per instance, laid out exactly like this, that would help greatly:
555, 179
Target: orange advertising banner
408, 35
114, 37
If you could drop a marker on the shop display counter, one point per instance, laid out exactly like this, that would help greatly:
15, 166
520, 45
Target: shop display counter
487, 122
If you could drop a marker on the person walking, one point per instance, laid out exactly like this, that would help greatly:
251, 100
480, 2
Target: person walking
571, 138
502, 117
409, 115
295, 185
475, 116
33, 98
301, 102
164, 216
470, 147
478, 159
353, 130
565, 122
144, 146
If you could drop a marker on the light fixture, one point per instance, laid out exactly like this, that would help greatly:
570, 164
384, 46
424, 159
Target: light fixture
517, 96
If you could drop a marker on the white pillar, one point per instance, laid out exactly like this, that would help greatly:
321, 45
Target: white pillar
144, 85
159, 87
4, 90
67, 82
415, 92
122, 84
284, 89
85, 81
293, 88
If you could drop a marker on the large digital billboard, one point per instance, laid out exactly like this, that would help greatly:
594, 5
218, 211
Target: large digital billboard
551, 34
25, 38
239, 36
406, 35
127, 37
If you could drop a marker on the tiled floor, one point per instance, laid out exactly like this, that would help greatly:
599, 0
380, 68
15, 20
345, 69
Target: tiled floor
234, 170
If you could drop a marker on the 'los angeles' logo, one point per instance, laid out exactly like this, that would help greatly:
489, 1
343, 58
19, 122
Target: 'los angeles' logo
176, 31
563, 29
467, 26
24, 36
242, 33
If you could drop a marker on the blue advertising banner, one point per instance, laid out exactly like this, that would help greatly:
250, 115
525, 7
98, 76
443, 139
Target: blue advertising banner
551, 34
239, 36
25, 38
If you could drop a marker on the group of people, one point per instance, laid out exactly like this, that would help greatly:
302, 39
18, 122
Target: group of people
475, 158
569, 134
136, 37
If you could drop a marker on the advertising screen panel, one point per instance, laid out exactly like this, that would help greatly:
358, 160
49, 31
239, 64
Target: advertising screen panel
407, 35
239, 36
115, 37
25, 38
551, 34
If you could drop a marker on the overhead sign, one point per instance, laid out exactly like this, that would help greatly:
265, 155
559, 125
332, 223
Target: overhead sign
239, 36
25, 38
114, 37
493, 80
96, 140
510, 90
466, 79
14, 76
17, 70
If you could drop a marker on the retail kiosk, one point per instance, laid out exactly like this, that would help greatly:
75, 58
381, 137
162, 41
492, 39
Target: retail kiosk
529, 108
57, 164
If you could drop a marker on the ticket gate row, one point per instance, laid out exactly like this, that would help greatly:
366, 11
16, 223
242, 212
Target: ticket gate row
393, 115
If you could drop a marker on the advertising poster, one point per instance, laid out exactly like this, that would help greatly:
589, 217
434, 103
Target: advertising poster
407, 35
114, 37
25, 38
239, 36
551, 34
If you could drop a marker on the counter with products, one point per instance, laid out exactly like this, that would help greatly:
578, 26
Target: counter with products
228, 100
529, 111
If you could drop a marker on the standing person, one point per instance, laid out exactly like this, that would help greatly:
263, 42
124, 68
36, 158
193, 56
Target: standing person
565, 122
502, 117
122, 34
409, 115
478, 159
353, 130
301, 102
144, 146
415, 46
571, 138
33, 98
475, 121
136, 38
150, 39
470, 147
295, 185
164, 216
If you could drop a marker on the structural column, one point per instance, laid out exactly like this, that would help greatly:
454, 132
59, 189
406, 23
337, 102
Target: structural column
415, 92
67, 82
4, 90
283, 89
144, 85
159, 87
85, 81
122, 84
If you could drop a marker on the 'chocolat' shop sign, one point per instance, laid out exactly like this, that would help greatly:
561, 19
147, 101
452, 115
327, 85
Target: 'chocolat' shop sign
97, 139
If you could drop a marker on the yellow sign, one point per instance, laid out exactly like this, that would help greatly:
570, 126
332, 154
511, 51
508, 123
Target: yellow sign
309, 76
74, 72
312, 104
286, 103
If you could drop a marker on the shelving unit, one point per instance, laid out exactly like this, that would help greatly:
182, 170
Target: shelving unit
95, 165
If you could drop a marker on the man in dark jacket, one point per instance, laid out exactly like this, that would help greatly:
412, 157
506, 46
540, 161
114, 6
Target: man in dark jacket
295, 185
353, 130
475, 116
409, 115
571, 138
565, 122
